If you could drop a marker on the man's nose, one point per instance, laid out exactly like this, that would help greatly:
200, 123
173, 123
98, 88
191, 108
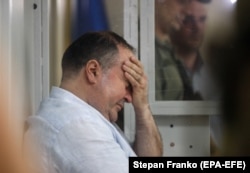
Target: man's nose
128, 96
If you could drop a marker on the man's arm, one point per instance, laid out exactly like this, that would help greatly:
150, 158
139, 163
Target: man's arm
148, 140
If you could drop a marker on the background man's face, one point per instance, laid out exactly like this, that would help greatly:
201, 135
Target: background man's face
192, 31
170, 14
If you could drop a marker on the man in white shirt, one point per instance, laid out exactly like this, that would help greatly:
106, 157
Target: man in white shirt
73, 129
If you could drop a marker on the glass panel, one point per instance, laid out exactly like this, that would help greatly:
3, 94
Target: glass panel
181, 68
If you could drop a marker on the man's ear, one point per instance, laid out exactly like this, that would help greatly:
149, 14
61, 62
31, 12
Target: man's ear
92, 70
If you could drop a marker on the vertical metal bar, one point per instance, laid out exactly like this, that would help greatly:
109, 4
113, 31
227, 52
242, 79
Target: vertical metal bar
131, 35
45, 53
41, 52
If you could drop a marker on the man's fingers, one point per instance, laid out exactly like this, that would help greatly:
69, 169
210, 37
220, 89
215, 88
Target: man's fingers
132, 73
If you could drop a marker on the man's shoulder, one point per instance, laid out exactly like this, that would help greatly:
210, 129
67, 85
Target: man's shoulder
58, 112
163, 44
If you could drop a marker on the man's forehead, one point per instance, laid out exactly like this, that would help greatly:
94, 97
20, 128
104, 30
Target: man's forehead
125, 53
196, 8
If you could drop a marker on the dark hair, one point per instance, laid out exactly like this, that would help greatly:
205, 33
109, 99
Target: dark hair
101, 46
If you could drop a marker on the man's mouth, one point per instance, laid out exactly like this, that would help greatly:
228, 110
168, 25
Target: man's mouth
120, 106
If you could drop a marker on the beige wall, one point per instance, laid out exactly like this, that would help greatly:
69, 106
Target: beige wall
115, 15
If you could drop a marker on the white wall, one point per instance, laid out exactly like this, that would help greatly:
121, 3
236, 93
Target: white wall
24, 55
13, 63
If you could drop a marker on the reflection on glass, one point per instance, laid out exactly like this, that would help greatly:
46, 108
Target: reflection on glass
168, 17
179, 66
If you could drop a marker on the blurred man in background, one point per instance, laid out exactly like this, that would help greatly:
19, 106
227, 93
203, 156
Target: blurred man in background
187, 43
169, 18
196, 76
169, 15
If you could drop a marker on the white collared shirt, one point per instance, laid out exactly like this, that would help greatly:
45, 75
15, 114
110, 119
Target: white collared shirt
73, 137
